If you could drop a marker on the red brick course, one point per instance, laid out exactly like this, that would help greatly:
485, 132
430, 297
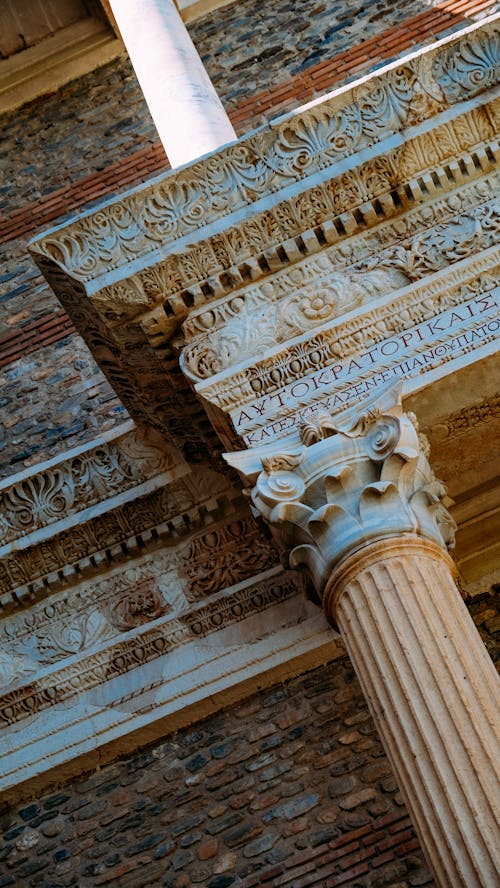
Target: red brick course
151, 159
31, 337
248, 112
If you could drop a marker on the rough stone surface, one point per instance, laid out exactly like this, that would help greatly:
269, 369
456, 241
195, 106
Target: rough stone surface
246, 51
248, 47
216, 805
52, 400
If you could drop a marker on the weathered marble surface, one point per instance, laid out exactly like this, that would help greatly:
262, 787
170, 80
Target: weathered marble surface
392, 162
361, 224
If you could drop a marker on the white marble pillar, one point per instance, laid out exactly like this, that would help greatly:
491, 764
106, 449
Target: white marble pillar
184, 105
433, 694
356, 501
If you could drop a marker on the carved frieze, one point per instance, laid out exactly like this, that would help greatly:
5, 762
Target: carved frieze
221, 262
141, 646
132, 594
290, 151
96, 472
316, 290
93, 613
224, 556
131, 271
462, 421
424, 318
168, 513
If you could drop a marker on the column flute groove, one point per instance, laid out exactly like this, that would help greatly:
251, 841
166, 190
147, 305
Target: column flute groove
432, 629
356, 501
395, 697
378, 698
397, 640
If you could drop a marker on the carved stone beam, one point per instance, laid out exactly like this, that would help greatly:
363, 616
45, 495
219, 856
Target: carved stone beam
358, 504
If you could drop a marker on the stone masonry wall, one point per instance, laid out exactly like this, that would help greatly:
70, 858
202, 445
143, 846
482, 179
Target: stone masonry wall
290, 788
95, 136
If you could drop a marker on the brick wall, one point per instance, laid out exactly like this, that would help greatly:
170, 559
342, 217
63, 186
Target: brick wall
290, 788
51, 399
95, 136
247, 47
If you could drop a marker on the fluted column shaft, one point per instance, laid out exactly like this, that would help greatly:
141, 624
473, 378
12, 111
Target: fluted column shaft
433, 693
359, 502
184, 105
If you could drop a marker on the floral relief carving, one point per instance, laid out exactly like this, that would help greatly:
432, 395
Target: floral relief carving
366, 251
474, 68
342, 482
274, 157
66, 637
140, 606
96, 473
133, 595
265, 315
145, 645
22, 569
261, 324
92, 614
49, 497
358, 334
238, 246
224, 556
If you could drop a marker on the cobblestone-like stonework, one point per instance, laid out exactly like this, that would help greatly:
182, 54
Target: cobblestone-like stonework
247, 47
486, 616
52, 400
102, 117
101, 120
289, 788
86, 125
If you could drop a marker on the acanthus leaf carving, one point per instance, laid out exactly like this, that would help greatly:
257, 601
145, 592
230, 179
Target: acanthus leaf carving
274, 157
358, 479
312, 293
147, 644
39, 499
468, 69
224, 556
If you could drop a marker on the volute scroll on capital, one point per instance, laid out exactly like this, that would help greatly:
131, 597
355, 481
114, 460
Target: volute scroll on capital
343, 482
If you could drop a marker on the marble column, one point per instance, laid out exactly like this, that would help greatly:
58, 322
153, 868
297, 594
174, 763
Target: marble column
184, 105
357, 503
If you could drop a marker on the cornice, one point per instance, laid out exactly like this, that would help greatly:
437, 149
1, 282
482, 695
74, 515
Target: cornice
154, 699
163, 293
316, 143
143, 647
359, 330
324, 287
92, 478
131, 271
141, 524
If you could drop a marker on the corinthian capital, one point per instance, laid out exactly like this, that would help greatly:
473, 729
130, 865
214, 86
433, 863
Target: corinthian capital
341, 483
